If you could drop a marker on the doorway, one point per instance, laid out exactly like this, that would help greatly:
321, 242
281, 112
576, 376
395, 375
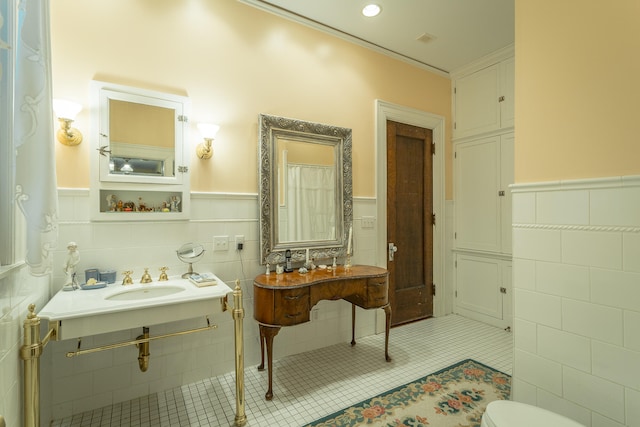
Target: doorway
385, 111
410, 222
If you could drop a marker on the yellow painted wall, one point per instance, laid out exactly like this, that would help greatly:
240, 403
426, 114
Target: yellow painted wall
233, 62
577, 89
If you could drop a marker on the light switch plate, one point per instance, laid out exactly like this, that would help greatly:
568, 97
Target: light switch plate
220, 243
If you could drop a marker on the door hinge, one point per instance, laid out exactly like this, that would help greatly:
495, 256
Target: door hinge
503, 290
455, 235
182, 118
434, 290
433, 219
455, 124
183, 169
456, 294
433, 148
455, 154
456, 263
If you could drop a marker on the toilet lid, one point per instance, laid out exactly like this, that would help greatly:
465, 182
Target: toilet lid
505, 413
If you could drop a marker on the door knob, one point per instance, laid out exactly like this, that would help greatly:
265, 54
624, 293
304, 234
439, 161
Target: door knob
392, 250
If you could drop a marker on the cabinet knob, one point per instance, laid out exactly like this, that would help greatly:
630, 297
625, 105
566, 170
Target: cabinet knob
501, 99
501, 193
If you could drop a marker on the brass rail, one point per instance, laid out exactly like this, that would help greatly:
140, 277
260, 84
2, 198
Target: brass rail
33, 346
238, 315
136, 341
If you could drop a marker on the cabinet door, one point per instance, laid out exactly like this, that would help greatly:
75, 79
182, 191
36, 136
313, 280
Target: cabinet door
478, 281
477, 204
477, 108
506, 179
507, 296
507, 92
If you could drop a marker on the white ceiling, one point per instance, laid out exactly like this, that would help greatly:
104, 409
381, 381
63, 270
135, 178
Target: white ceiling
462, 30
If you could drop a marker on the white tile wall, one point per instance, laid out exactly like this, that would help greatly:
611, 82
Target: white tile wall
18, 289
577, 299
92, 381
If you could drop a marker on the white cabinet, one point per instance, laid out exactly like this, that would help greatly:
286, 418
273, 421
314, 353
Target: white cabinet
484, 100
139, 162
483, 288
483, 173
483, 110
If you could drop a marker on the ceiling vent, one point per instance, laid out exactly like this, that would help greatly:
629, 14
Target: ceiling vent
425, 38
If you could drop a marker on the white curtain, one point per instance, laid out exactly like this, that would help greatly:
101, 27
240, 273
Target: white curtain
310, 202
36, 192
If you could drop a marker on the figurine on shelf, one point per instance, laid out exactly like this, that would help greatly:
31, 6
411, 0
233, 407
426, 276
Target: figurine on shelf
142, 207
175, 204
120, 206
111, 202
73, 258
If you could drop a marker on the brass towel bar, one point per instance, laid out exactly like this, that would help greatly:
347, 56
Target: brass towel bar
136, 341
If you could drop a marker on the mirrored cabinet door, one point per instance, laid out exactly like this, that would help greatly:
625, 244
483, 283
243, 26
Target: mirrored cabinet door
141, 137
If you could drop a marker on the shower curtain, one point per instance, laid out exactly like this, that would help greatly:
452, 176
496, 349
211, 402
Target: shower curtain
310, 202
35, 175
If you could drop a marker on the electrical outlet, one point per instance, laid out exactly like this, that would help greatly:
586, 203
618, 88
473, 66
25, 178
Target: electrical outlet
239, 242
220, 243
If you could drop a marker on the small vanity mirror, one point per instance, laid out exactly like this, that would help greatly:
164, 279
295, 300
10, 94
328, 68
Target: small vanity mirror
141, 134
190, 253
305, 189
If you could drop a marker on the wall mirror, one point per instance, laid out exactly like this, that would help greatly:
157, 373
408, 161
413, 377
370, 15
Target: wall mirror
141, 134
306, 196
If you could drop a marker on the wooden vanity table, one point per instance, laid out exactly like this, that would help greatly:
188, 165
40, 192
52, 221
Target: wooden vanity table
286, 300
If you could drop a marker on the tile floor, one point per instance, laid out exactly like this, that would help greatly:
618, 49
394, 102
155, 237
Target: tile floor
311, 385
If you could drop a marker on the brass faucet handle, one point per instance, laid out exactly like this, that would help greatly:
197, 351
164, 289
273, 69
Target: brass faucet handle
127, 280
163, 275
146, 277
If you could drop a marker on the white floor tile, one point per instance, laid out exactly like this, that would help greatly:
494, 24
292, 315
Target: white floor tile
311, 385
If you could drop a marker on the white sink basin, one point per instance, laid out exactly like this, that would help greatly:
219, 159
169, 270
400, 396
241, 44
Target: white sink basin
83, 313
147, 292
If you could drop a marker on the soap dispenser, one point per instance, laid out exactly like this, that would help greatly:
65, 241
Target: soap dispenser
287, 256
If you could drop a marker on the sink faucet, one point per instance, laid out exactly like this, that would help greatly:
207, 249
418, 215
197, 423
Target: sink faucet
146, 277
127, 280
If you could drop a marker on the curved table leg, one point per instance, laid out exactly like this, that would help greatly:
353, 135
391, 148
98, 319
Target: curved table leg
268, 332
387, 312
353, 325
261, 366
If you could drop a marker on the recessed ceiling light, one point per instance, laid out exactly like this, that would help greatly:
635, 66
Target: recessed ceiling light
371, 10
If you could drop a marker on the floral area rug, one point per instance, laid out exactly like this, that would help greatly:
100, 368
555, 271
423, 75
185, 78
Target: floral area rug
455, 396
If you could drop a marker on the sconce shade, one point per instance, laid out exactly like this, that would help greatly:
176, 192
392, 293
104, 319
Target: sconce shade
204, 150
66, 111
208, 130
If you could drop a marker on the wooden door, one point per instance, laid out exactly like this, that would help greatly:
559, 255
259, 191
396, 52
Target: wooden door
409, 221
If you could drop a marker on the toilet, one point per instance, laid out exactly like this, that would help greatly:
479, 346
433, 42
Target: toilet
506, 413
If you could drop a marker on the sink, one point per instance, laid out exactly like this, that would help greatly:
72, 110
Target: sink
145, 293
82, 313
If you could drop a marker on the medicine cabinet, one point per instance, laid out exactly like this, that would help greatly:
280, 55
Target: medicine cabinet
139, 165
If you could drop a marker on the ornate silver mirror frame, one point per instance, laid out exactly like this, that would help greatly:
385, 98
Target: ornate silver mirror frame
273, 129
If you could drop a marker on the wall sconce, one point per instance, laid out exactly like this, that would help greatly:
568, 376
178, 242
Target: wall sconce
66, 111
204, 150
